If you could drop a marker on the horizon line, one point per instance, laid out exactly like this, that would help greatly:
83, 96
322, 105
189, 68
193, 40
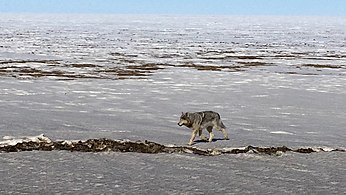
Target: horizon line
172, 14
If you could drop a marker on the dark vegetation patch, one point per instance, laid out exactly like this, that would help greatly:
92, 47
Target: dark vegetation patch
322, 66
84, 65
225, 57
239, 66
203, 67
64, 72
125, 73
127, 66
253, 64
248, 57
298, 73
30, 61
146, 67
106, 145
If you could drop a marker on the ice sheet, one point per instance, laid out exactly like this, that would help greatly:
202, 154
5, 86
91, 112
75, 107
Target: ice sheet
274, 80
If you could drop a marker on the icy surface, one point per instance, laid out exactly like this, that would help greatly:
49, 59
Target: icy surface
274, 81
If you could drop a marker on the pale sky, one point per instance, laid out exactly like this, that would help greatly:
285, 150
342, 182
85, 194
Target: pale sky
177, 7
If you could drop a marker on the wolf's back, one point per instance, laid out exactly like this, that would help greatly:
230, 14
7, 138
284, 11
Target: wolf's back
217, 117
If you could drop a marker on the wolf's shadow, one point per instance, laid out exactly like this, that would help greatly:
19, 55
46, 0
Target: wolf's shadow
204, 141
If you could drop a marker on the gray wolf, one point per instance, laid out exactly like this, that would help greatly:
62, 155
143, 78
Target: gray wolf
197, 121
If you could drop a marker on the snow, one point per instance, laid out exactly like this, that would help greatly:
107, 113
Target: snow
281, 132
281, 81
11, 140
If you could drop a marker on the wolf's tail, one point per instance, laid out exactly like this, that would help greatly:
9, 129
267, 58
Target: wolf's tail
222, 125
220, 121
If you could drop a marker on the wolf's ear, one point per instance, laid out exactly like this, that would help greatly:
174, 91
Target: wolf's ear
182, 113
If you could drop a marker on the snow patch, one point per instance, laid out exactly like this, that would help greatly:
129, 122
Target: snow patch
281, 132
11, 141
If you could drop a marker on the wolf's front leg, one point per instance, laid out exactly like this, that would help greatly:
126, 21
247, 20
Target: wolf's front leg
193, 136
203, 137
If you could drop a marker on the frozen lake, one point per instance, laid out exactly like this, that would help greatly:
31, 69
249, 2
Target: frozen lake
275, 82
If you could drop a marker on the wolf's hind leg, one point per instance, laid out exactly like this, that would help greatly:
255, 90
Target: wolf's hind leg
225, 134
211, 135
221, 127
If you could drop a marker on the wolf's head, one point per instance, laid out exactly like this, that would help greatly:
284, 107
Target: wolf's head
184, 120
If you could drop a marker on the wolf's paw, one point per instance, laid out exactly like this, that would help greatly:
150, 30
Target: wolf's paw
204, 138
226, 138
190, 143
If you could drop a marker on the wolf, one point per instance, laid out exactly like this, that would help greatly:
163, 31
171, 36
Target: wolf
197, 121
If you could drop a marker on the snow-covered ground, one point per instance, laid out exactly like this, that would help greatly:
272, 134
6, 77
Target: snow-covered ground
275, 81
